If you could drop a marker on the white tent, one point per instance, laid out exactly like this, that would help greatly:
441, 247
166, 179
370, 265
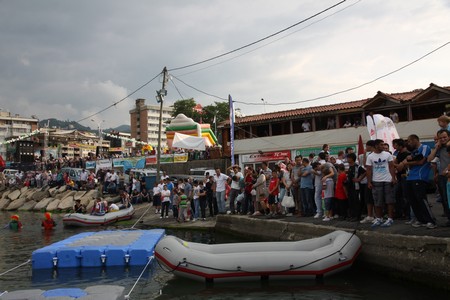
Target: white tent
188, 142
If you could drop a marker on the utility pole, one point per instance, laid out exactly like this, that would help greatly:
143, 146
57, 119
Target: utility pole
160, 98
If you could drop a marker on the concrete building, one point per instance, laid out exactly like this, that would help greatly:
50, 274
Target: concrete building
144, 122
13, 126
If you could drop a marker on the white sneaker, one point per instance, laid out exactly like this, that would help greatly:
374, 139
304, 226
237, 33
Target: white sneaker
336, 217
167, 217
326, 219
387, 223
367, 219
194, 219
317, 216
431, 225
156, 211
289, 215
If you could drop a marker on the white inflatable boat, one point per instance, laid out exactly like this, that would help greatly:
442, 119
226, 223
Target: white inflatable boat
76, 219
311, 258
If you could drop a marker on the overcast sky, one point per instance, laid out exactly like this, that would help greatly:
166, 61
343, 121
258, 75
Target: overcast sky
70, 59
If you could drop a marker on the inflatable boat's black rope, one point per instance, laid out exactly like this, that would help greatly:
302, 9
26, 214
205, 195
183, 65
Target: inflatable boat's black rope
245, 271
168, 271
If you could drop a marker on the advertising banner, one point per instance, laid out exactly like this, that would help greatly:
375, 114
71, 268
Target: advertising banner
90, 164
267, 156
150, 160
180, 157
104, 164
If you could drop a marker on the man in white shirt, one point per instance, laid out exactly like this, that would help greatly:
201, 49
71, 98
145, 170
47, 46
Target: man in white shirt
381, 179
221, 180
106, 182
235, 178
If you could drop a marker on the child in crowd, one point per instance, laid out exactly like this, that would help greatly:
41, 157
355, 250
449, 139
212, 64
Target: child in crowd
48, 223
444, 122
196, 191
341, 193
175, 203
273, 193
328, 195
263, 207
182, 207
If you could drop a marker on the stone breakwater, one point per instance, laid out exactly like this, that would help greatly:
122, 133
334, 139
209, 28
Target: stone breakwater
55, 199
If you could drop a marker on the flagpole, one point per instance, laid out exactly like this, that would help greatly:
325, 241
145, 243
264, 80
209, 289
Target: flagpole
230, 100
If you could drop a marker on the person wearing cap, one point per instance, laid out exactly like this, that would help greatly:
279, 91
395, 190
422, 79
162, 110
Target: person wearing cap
48, 223
14, 224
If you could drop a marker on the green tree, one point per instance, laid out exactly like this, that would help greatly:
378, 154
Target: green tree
186, 107
220, 109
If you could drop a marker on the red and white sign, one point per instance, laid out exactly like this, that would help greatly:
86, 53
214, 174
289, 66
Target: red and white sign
266, 156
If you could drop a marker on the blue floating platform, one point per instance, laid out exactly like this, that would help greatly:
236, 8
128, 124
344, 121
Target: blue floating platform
99, 249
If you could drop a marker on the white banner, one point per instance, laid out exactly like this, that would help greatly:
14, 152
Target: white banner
104, 164
188, 142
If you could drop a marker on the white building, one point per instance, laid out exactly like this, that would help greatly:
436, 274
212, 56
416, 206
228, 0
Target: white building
14, 126
144, 122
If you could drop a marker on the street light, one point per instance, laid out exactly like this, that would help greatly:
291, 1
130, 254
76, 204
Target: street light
264, 103
99, 127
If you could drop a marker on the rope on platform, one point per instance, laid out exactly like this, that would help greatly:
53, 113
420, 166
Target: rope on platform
10, 270
127, 296
132, 227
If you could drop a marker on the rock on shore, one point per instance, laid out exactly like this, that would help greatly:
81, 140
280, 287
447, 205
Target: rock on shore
45, 199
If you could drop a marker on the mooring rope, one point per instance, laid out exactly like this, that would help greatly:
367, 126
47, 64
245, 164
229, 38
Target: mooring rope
132, 227
22, 264
127, 296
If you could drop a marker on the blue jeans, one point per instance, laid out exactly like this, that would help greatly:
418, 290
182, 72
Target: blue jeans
220, 196
196, 208
307, 200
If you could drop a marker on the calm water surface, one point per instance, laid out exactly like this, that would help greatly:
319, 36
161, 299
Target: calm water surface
16, 248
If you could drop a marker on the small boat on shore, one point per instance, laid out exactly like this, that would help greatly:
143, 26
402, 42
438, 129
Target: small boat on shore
310, 258
85, 220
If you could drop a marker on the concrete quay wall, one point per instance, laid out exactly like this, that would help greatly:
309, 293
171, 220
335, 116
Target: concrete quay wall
423, 259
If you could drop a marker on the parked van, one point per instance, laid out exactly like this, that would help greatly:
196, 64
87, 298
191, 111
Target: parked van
74, 173
200, 173
139, 173
9, 173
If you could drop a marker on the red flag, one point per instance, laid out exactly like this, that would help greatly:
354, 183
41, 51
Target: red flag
2, 162
360, 146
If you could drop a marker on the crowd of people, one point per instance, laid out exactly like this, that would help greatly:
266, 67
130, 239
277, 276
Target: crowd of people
377, 187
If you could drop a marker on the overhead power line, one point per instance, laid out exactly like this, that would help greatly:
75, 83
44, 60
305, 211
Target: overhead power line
119, 101
198, 90
349, 89
258, 41
269, 43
